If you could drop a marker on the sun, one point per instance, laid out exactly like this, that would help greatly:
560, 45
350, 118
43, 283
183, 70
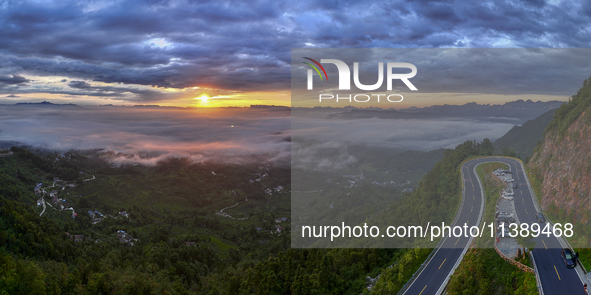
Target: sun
204, 98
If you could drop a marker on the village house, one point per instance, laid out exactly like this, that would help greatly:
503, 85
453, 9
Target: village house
124, 237
95, 216
191, 244
282, 219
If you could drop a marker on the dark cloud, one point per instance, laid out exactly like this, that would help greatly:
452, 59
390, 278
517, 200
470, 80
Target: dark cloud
12, 80
79, 84
505, 71
246, 46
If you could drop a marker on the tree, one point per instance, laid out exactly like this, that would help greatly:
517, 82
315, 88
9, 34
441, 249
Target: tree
486, 148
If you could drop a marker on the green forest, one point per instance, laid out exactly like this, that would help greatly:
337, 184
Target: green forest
181, 245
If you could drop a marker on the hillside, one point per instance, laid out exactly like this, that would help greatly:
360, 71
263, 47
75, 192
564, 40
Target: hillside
522, 139
561, 164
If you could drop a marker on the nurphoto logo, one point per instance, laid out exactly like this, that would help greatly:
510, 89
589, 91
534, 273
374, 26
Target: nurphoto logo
345, 79
345, 74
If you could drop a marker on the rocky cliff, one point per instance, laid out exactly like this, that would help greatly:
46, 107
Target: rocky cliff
560, 167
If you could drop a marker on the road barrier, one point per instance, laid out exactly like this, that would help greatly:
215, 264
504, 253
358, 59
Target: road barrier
520, 265
538, 281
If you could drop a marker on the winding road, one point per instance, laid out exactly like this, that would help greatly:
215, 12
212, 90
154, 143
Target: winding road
433, 278
554, 276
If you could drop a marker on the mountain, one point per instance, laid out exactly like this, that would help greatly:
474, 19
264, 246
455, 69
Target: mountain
522, 139
561, 165
43, 104
518, 111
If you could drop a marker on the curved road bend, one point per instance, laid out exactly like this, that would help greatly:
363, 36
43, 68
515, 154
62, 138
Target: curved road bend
433, 278
554, 276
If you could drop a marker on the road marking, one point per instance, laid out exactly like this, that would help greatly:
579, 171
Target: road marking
471, 182
471, 208
442, 263
522, 200
474, 197
423, 290
545, 244
457, 241
554, 269
525, 211
520, 192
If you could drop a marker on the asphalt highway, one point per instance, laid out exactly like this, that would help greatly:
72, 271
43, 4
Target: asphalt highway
434, 276
555, 277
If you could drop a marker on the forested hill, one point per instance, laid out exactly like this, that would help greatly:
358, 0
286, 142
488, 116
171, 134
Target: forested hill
182, 243
561, 164
182, 246
522, 139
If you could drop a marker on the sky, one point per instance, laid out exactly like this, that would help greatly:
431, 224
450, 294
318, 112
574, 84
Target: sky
221, 53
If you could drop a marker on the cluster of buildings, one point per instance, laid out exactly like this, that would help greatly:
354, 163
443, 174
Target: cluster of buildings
38, 189
359, 177
60, 204
62, 156
95, 216
282, 219
125, 238
260, 176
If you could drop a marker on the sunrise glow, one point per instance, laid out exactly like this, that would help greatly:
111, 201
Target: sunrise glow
204, 98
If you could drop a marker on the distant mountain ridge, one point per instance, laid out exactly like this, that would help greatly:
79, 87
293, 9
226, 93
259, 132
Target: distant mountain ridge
43, 103
517, 112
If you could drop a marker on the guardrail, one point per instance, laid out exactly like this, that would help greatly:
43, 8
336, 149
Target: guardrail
538, 281
580, 269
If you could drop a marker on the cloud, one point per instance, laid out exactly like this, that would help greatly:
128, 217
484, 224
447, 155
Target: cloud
506, 71
148, 135
423, 135
12, 80
244, 47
